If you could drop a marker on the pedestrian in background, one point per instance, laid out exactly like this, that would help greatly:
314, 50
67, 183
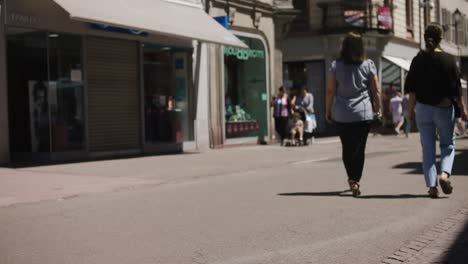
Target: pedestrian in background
303, 103
281, 113
354, 85
406, 121
396, 108
435, 90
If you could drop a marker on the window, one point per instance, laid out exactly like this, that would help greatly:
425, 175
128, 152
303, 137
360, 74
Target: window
461, 29
446, 21
409, 15
245, 87
301, 22
46, 91
437, 11
427, 15
167, 77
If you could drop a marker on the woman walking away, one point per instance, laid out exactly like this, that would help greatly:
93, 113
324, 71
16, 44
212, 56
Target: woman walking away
435, 90
281, 105
354, 85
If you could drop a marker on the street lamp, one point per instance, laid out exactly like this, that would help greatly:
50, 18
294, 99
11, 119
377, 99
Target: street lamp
422, 4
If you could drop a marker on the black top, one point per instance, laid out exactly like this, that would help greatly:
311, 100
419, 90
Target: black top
434, 78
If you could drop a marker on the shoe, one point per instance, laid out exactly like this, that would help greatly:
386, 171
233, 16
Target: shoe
397, 131
433, 193
445, 185
354, 187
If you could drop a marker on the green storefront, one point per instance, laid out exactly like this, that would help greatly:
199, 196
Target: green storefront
245, 90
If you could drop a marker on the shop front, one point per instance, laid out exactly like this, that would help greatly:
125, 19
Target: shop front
245, 90
86, 83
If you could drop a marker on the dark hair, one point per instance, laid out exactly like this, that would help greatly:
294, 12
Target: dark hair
352, 49
433, 36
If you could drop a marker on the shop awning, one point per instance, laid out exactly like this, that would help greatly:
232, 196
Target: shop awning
400, 62
152, 16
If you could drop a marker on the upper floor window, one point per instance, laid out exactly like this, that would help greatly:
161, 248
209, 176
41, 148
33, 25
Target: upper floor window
447, 22
409, 15
301, 21
437, 11
461, 29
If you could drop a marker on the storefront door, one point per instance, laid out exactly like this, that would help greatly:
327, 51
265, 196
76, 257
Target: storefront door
45, 90
167, 92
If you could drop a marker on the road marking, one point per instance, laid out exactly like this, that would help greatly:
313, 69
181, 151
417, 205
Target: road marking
326, 141
311, 161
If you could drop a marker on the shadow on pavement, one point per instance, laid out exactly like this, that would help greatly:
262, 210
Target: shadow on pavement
458, 253
39, 163
339, 193
460, 165
346, 193
397, 196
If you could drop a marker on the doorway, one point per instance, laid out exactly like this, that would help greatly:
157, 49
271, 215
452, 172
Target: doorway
45, 93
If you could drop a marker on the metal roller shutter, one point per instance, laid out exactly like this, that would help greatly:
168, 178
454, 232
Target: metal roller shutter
113, 94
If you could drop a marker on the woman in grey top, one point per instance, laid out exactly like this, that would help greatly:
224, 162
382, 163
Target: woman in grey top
353, 85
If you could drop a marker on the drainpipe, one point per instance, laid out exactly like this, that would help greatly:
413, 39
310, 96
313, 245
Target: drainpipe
4, 135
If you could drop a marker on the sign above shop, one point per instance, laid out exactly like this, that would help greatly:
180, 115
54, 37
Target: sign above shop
23, 19
118, 30
223, 20
244, 54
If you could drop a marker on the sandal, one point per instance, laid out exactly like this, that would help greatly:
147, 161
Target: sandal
433, 193
354, 187
445, 185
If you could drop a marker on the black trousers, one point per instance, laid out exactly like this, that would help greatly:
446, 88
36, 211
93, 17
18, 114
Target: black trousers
353, 138
281, 126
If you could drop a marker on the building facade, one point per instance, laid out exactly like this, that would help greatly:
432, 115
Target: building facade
315, 41
104, 81
392, 32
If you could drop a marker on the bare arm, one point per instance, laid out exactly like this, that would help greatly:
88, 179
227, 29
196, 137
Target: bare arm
331, 92
293, 103
376, 94
461, 104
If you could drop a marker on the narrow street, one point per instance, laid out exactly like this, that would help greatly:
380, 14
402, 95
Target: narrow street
258, 204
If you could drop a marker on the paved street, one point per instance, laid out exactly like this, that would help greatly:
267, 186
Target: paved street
245, 205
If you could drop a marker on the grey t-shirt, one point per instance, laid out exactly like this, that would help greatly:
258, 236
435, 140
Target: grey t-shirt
352, 100
306, 102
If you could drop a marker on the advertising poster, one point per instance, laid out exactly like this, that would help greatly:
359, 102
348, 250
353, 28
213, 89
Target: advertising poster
384, 16
39, 116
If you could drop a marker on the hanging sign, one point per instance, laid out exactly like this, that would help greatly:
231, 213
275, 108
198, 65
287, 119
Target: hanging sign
384, 17
355, 18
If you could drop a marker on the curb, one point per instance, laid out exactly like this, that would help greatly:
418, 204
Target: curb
433, 245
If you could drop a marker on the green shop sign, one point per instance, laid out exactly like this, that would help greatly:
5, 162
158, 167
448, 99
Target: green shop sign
244, 54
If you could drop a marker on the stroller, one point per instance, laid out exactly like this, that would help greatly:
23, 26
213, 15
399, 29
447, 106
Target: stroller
310, 124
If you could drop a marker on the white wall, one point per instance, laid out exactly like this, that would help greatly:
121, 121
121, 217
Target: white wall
202, 136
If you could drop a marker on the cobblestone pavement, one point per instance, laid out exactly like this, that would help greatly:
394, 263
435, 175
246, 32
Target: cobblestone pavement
446, 242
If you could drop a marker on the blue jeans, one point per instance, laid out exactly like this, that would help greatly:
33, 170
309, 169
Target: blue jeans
429, 118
